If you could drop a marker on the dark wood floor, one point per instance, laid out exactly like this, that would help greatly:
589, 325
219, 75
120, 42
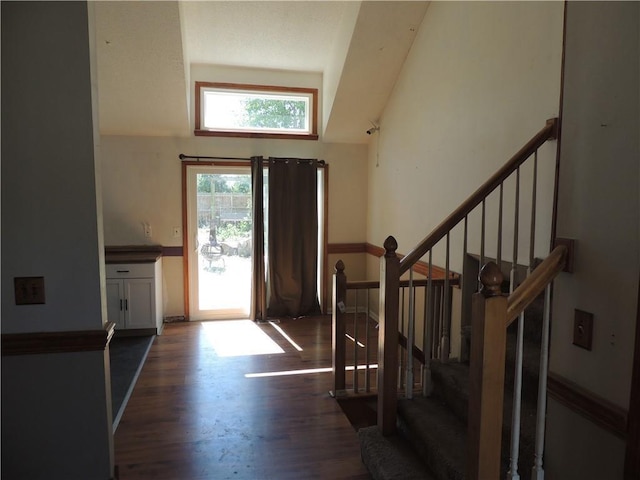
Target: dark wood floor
195, 415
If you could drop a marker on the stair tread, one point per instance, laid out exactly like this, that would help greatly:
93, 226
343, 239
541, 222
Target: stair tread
452, 385
438, 435
456, 375
390, 458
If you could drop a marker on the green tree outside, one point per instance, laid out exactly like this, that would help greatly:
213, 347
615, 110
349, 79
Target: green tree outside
274, 113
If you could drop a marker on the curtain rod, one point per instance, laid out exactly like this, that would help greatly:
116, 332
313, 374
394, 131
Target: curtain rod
182, 156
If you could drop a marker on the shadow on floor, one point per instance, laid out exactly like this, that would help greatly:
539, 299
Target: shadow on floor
361, 412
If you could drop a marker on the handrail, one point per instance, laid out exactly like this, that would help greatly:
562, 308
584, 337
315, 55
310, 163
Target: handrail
367, 284
535, 283
550, 131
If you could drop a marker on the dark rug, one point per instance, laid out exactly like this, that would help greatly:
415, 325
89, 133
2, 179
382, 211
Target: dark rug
127, 355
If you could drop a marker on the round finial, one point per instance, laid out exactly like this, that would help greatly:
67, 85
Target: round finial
390, 247
339, 268
491, 278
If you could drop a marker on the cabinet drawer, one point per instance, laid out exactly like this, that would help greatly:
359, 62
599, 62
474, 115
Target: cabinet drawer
130, 270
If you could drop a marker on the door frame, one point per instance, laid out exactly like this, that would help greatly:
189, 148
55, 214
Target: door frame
323, 289
185, 226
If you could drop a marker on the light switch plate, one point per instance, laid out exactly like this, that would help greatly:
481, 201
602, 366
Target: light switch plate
583, 329
29, 290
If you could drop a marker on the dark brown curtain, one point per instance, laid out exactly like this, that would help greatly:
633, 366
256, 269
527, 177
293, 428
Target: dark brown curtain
293, 237
259, 280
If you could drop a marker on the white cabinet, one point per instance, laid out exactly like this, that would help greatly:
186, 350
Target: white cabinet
134, 295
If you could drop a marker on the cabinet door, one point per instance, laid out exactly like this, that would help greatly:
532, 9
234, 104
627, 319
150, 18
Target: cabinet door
115, 302
139, 303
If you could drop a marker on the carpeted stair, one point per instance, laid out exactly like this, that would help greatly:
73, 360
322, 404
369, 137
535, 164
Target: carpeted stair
431, 441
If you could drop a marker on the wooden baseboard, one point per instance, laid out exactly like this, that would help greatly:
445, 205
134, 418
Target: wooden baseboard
594, 408
173, 251
333, 248
33, 343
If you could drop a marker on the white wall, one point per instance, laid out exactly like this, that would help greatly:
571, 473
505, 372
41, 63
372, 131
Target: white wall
141, 182
141, 177
56, 413
598, 206
333, 71
598, 199
49, 219
55, 425
480, 80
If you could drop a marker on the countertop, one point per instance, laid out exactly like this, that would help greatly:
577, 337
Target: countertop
132, 254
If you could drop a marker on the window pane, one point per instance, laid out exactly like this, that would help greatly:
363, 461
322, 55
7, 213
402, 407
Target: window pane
225, 110
272, 113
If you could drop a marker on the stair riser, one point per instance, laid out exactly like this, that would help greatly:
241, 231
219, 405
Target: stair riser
430, 453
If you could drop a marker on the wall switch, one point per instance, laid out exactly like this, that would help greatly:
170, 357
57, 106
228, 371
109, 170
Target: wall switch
177, 232
29, 290
147, 230
583, 329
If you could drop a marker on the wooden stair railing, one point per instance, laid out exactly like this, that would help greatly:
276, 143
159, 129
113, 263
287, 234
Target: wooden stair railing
362, 355
391, 268
492, 314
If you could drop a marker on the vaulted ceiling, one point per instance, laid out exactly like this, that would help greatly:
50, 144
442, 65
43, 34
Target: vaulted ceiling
145, 50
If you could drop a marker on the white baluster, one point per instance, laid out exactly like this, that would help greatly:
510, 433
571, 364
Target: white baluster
367, 361
517, 387
355, 345
537, 472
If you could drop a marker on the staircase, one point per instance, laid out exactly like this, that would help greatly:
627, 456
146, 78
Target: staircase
446, 422
431, 440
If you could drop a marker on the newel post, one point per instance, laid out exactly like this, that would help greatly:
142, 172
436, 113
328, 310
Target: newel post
388, 338
486, 376
339, 329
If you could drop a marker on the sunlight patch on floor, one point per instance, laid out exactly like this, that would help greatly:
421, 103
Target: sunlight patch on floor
235, 338
304, 371
360, 344
286, 337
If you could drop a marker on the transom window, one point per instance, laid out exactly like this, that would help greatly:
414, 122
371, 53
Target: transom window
235, 110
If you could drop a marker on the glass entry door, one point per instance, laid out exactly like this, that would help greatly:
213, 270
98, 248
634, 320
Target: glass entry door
219, 241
